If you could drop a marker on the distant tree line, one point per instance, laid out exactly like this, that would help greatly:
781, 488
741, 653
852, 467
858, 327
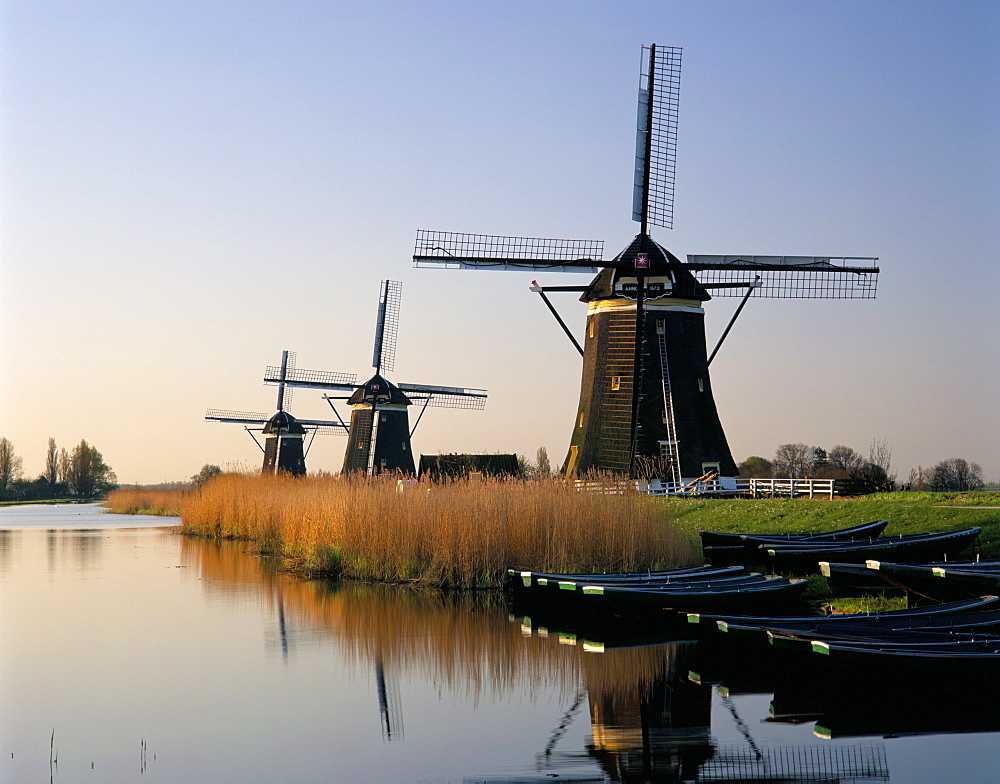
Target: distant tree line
954, 475
79, 473
867, 474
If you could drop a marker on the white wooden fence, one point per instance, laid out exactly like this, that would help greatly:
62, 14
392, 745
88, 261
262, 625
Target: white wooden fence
756, 488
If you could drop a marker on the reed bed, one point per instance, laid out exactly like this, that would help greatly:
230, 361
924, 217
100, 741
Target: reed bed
462, 534
134, 500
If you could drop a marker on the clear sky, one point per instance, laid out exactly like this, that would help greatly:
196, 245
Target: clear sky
189, 188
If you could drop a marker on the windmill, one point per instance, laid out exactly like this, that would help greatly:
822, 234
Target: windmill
646, 406
379, 435
284, 445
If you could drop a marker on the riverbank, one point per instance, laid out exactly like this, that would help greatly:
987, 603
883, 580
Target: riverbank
460, 534
466, 534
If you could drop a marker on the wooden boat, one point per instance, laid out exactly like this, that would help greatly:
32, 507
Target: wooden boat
706, 579
968, 611
774, 594
527, 579
940, 581
969, 662
862, 531
914, 547
856, 579
925, 639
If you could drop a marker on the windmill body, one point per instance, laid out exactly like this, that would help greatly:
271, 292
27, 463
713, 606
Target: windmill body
284, 440
384, 408
673, 374
378, 437
646, 408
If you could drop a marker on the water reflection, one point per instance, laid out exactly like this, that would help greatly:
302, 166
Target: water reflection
248, 673
648, 721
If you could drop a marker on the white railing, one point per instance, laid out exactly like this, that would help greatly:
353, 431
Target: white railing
756, 488
792, 487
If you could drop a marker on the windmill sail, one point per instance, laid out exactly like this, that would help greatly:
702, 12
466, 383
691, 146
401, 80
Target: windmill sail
788, 277
386, 326
311, 379
656, 136
453, 250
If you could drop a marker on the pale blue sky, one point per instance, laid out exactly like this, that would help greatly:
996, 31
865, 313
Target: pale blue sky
189, 188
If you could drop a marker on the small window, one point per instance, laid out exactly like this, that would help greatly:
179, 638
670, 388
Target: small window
579, 421
590, 329
574, 453
701, 385
616, 383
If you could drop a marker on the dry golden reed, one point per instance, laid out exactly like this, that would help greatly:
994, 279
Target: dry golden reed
133, 500
463, 533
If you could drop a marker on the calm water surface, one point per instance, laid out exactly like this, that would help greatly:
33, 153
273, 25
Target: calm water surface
129, 653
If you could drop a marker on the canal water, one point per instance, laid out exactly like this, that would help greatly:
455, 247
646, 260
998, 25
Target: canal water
130, 653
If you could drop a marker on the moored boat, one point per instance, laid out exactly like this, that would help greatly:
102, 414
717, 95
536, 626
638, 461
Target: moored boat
803, 556
942, 581
862, 531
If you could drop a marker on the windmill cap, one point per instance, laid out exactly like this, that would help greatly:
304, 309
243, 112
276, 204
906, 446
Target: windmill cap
283, 423
382, 391
675, 280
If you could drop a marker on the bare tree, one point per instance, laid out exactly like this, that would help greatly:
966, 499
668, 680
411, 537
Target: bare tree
845, 458
543, 468
877, 472
794, 461
52, 463
63, 466
10, 465
956, 475
918, 479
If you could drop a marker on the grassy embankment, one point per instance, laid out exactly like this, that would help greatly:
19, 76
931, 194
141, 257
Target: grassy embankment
459, 534
907, 513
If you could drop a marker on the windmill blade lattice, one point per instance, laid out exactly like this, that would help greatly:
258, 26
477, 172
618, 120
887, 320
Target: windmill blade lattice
788, 277
455, 250
656, 136
240, 417
446, 397
386, 326
311, 379
284, 391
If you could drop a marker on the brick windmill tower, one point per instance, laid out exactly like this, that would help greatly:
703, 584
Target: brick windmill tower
646, 407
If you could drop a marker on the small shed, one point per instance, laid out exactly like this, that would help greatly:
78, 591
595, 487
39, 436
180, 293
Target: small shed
453, 466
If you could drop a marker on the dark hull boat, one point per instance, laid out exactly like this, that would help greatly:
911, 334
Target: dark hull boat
961, 662
939, 581
529, 579
704, 589
805, 557
862, 531
856, 579
965, 612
